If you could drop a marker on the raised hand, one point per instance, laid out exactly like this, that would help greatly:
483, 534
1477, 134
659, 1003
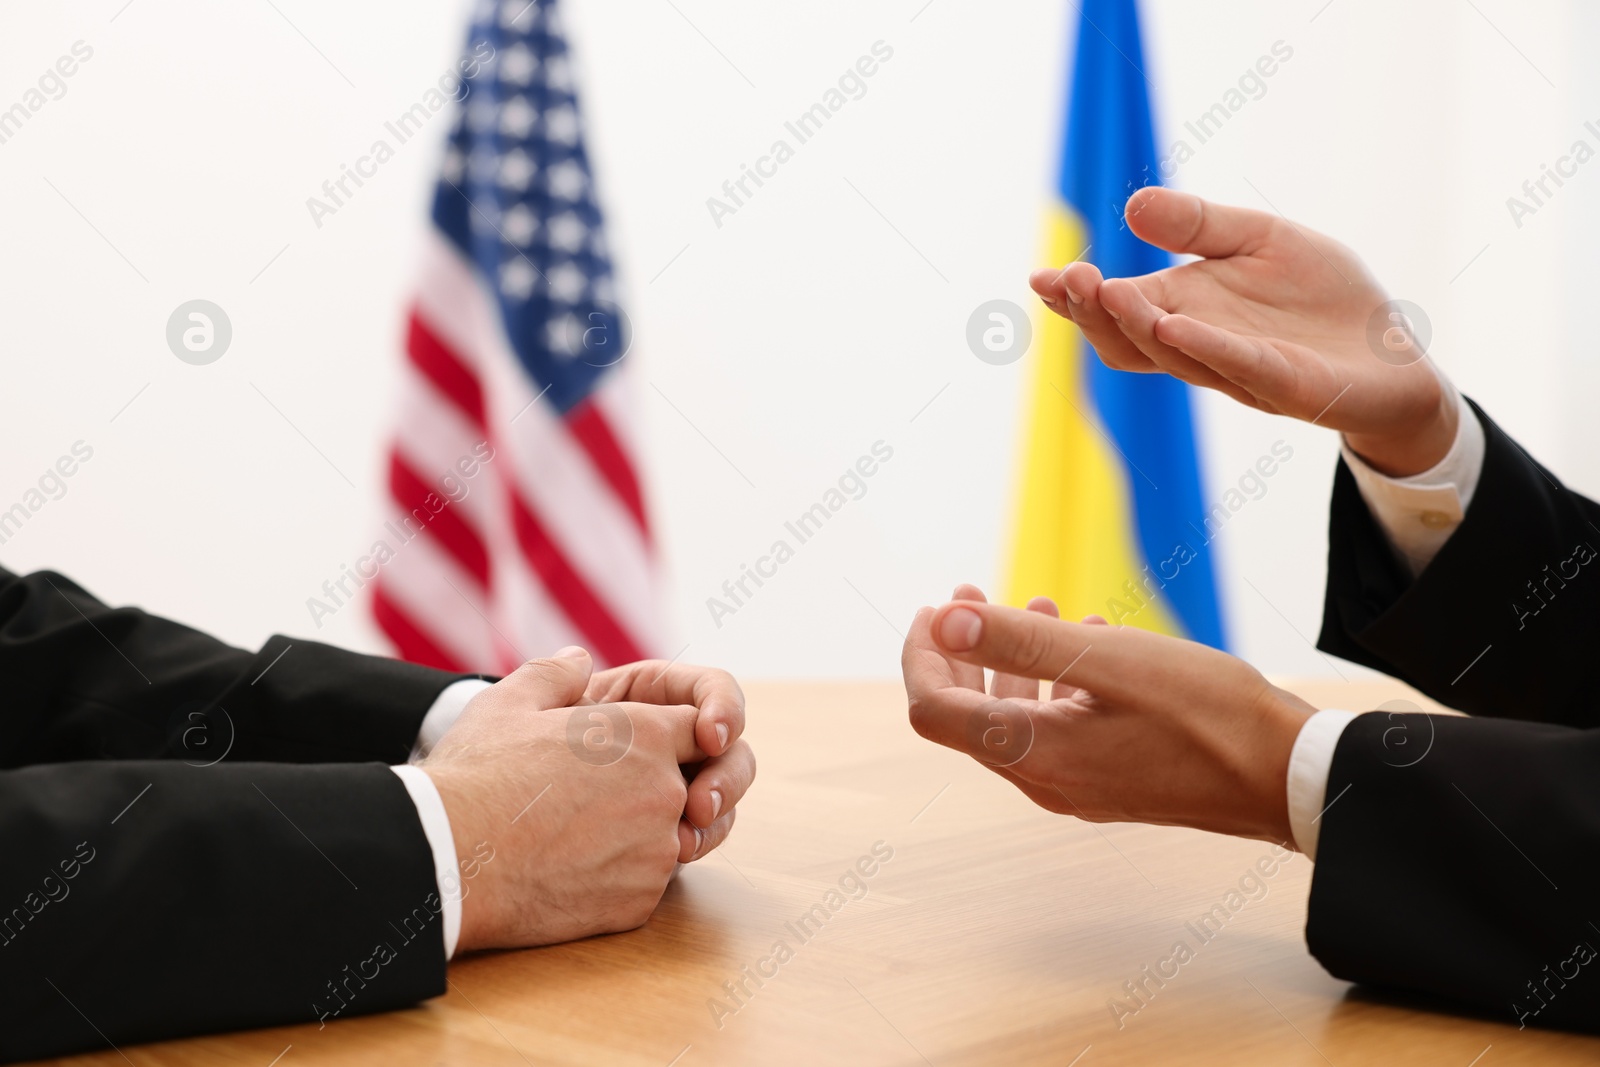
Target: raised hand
1138, 728
1275, 316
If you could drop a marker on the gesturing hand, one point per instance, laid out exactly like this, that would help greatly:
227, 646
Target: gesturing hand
585, 840
1275, 316
1138, 728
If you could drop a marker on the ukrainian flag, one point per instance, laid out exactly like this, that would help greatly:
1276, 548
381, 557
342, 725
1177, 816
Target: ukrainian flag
1111, 520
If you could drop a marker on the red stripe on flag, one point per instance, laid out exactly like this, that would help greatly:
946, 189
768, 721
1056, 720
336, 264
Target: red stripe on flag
454, 378
591, 430
607, 639
409, 640
448, 373
453, 532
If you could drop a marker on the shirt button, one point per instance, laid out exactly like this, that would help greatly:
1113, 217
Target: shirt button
1436, 520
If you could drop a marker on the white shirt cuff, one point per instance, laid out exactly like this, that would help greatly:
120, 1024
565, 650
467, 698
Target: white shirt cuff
1310, 763
447, 708
1420, 512
436, 825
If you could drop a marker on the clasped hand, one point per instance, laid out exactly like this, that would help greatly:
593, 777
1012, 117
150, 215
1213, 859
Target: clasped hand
586, 840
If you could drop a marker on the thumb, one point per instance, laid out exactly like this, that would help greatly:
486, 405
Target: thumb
1184, 223
1034, 645
557, 681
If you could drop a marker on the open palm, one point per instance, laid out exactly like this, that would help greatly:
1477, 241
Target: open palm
1137, 726
1276, 316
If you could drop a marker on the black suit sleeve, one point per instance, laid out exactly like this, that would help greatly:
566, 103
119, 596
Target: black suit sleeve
218, 853
1456, 855
1469, 874
1503, 622
151, 899
87, 681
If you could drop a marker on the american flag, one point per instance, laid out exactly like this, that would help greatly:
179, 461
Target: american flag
515, 414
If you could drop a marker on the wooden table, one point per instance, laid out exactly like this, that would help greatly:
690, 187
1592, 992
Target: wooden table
996, 934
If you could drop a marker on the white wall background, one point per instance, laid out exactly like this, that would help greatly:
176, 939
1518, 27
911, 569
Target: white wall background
796, 335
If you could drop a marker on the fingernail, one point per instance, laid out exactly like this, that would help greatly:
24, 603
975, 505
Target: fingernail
1050, 302
716, 803
1072, 294
1113, 314
722, 737
960, 629
571, 652
699, 840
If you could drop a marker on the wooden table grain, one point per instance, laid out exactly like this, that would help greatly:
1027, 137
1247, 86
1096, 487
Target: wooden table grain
885, 901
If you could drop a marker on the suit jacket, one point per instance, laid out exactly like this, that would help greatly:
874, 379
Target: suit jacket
197, 838
1458, 855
